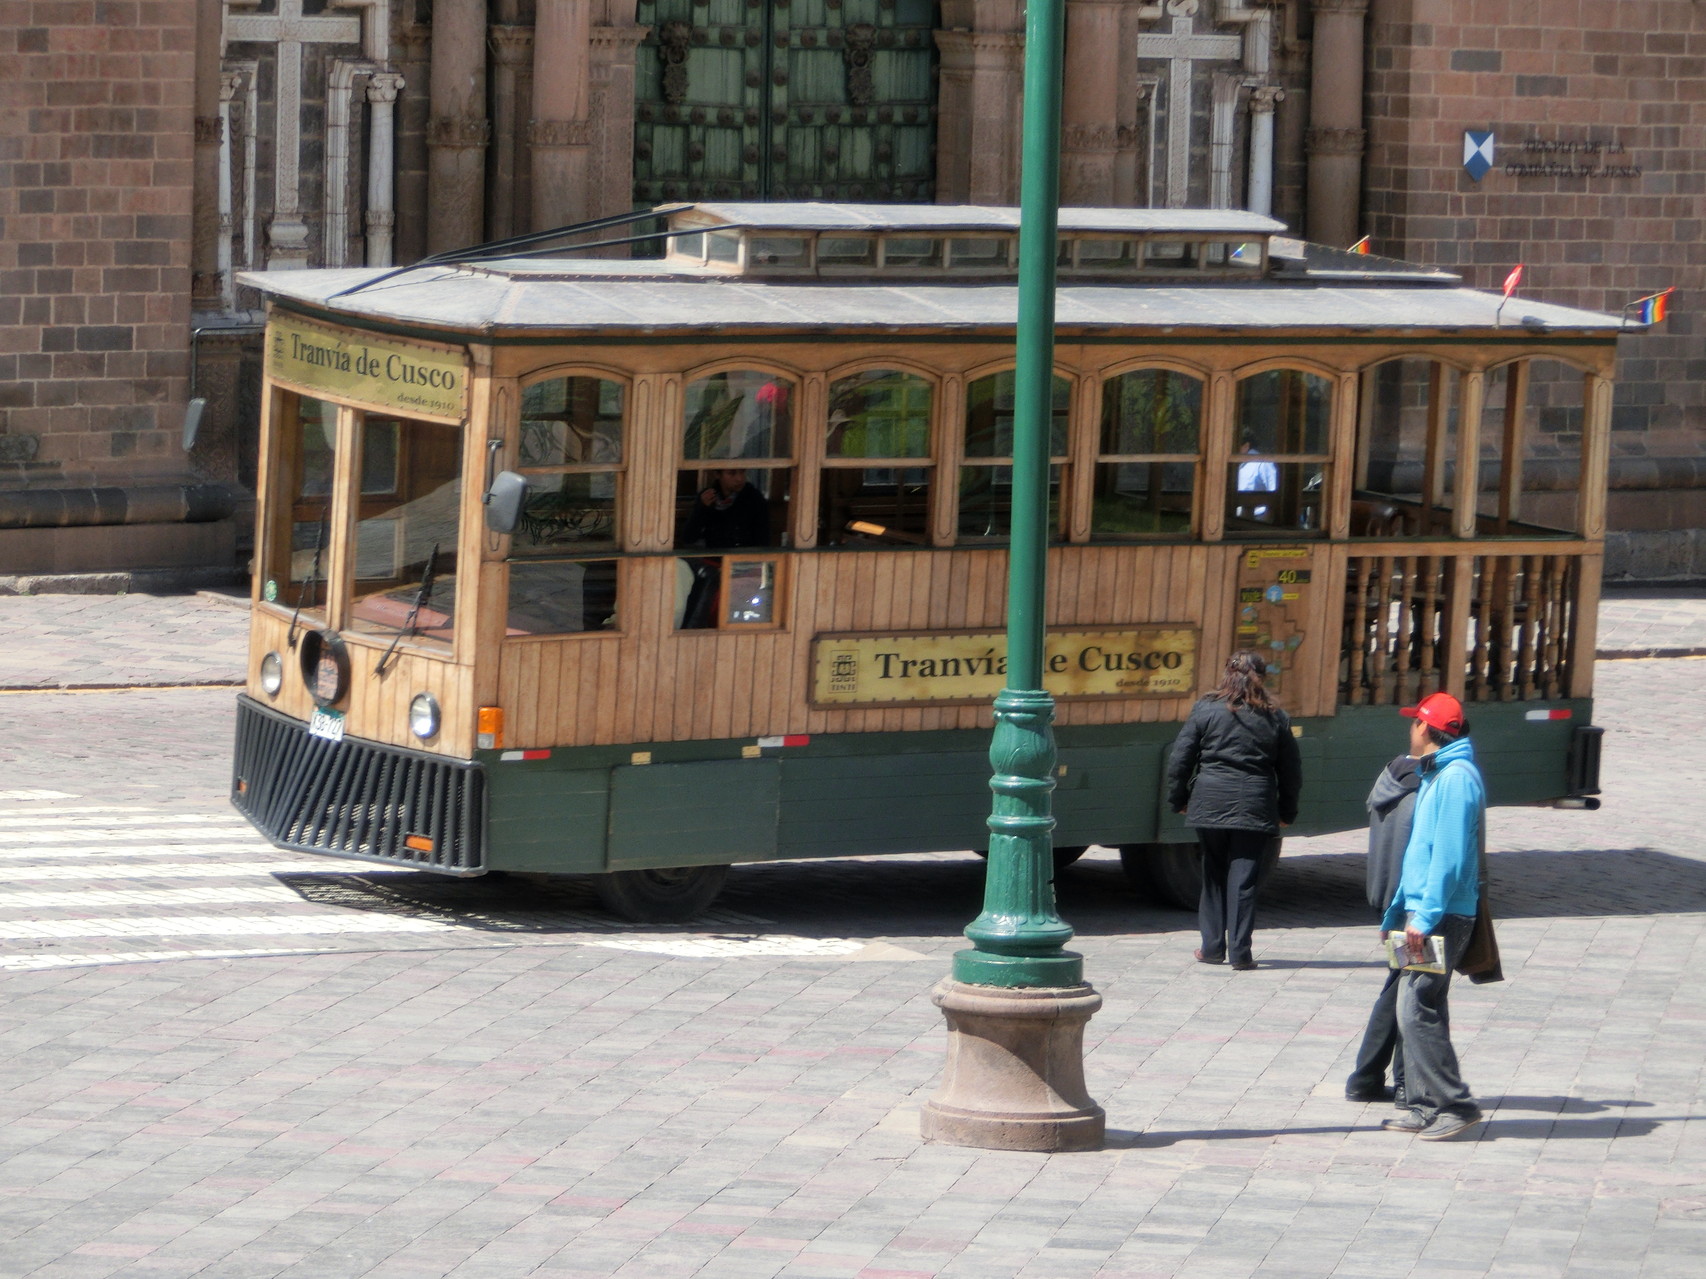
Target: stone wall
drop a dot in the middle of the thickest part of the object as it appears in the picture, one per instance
(96, 135)
(1598, 187)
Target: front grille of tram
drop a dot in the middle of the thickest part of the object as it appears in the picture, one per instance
(355, 798)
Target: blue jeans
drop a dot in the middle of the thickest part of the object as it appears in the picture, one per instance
(1433, 1081)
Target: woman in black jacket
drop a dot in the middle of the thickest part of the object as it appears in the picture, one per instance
(1235, 774)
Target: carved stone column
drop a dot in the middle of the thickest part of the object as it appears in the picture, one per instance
(1090, 107)
(561, 132)
(982, 47)
(207, 284)
(458, 131)
(1336, 138)
(1260, 192)
(512, 49)
(381, 220)
(413, 114)
(613, 53)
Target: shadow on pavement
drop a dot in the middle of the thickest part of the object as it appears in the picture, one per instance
(1496, 1128)
(938, 896)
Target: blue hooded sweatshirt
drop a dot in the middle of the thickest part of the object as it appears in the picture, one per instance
(1441, 873)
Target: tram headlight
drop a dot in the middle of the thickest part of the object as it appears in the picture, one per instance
(423, 716)
(272, 674)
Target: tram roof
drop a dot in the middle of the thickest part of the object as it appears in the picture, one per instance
(579, 296)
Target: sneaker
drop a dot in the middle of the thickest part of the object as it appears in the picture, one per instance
(1370, 1092)
(1245, 966)
(1447, 1125)
(1409, 1122)
(1208, 959)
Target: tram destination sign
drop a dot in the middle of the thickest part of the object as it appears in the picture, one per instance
(900, 670)
(409, 378)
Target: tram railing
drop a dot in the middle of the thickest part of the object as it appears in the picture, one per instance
(1507, 622)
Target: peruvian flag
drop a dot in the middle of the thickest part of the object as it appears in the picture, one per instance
(1513, 279)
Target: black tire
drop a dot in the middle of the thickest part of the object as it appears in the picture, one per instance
(669, 896)
(1172, 873)
(1064, 854)
(1168, 873)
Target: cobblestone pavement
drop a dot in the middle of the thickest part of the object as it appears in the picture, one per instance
(221, 1060)
(120, 641)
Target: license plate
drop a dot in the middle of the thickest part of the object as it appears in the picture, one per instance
(327, 724)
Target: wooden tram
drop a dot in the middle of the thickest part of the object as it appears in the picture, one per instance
(642, 568)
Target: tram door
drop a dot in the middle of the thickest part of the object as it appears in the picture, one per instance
(785, 100)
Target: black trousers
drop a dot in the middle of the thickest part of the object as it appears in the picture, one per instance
(1226, 912)
(1380, 1046)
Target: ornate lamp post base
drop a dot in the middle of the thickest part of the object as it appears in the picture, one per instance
(1014, 1078)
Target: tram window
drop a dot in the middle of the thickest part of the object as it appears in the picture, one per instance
(749, 593)
(571, 453)
(1102, 254)
(561, 597)
(1278, 477)
(878, 463)
(406, 547)
(722, 246)
(776, 250)
(737, 443)
(311, 462)
(1146, 462)
(978, 251)
(846, 250)
(1172, 255)
(986, 473)
(911, 251)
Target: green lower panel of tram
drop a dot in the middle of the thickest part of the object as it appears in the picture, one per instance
(707, 803)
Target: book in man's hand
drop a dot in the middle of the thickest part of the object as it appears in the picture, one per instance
(1398, 954)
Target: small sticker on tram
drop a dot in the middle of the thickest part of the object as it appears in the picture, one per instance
(525, 755)
(791, 739)
(1561, 713)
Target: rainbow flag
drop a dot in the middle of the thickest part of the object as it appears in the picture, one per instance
(1361, 246)
(1650, 310)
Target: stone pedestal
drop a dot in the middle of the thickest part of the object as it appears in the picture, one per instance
(1014, 1078)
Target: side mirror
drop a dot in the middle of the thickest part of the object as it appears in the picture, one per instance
(503, 501)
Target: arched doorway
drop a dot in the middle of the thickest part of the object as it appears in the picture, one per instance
(785, 100)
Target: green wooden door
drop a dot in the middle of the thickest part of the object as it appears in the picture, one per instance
(785, 100)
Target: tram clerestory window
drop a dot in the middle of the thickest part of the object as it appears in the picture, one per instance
(878, 461)
(406, 549)
(986, 471)
(1277, 479)
(732, 486)
(1147, 456)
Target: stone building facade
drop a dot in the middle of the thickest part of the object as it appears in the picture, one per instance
(154, 149)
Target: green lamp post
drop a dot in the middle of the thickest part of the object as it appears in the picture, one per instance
(1017, 1002)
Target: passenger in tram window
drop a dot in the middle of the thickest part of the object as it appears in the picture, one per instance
(730, 513)
(1256, 476)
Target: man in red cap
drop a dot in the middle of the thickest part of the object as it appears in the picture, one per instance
(1438, 890)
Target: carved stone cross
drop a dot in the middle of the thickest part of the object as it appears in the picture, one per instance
(289, 29)
(1183, 47)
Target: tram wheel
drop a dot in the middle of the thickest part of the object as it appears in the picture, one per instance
(666, 896)
(1172, 873)
(1064, 854)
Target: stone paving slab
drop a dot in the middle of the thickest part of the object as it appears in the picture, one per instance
(547, 1105)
